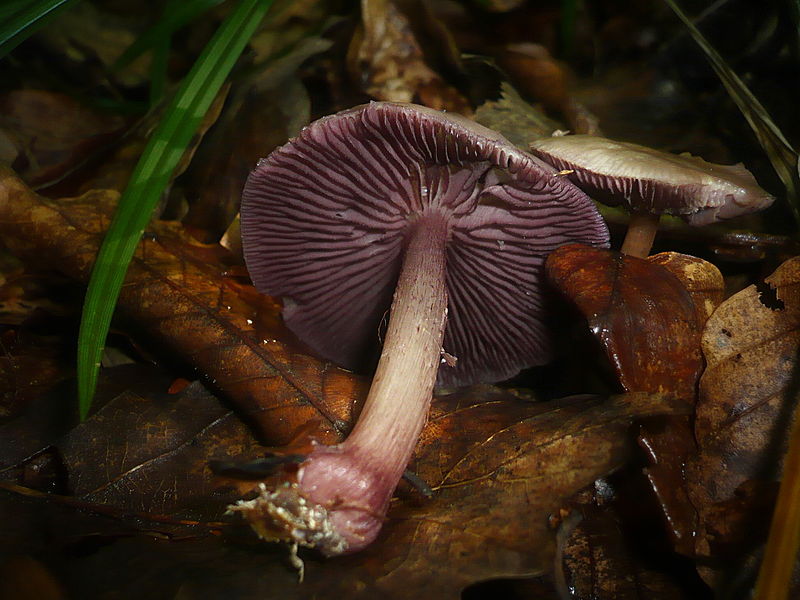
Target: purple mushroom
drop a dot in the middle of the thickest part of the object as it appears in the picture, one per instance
(651, 183)
(454, 222)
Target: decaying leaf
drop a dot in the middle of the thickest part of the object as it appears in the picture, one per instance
(648, 315)
(499, 467)
(599, 562)
(53, 133)
(519, 122)
(188, 304)
(389, 62)
(642, 314)
(748, 395)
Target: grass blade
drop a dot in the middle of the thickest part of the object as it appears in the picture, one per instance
(780, 152)
(19, 20)
(148, 181)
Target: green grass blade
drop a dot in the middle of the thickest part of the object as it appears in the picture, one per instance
(148, 181)
(779, 151)
(19, 20)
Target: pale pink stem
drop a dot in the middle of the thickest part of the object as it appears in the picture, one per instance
(342, 492)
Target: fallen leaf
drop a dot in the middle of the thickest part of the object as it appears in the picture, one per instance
(499, 467)
(389, 61)
(747, 397)
(613, 550)
(648, 315)
(641, 312)
(150, 454)
(519, 122)
(188, 305)
(53, 133)
(669, 441)
(702, 280)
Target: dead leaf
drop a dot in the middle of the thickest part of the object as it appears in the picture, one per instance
(748, 394)
(519, 122)
(189, 306)
(499, 467)
(150, 454)
(388, 62)
(602, 560)
(641, 313)
(648, 315)
(702, 280)
(53, 133)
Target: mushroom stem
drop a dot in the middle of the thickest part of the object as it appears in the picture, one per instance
(397, 405)
(342, 492)
(642, 229)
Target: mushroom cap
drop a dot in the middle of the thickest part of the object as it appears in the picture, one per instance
(325, 217)
(648, 180)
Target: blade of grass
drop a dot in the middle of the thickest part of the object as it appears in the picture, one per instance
(780, 152)
(148, 181)
(20, 20)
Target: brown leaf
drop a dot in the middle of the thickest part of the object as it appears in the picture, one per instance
(519, 122)
(747, 396)
(53, 133)
(387, 58)
(648, 315)
(188, 306)
(614, 551)
(641, 313)
(669, 441)
(150, 454)
(499, 468)
(702, 280)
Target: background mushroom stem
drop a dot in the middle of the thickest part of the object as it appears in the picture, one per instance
(642, 229)
(342, 492)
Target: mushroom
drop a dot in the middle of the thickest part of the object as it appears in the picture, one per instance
(651, 183)
(454, 215)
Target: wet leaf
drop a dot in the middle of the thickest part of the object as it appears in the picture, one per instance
(600, 560)
(150, 454)
(648, 315)
(499, 467)
(641, 313)
(747, 396)
(179, 293)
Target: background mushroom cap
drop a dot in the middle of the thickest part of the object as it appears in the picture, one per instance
(648, 180)
(325, 217)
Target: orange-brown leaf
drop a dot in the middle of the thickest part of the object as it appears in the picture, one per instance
(641, 313)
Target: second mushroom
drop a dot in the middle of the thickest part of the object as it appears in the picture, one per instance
(444, 220)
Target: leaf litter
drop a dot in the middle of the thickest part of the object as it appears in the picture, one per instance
(521, 487)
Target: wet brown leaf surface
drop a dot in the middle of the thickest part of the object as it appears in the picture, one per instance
(499, 468)
(648, 315)
(641, 312)
(747, 398)
(191, 307)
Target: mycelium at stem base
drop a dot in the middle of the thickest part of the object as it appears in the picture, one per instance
(342, 492)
